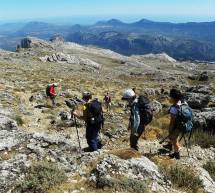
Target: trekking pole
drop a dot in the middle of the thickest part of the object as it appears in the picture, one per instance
(185, 141)
(79, 143)
(164, 139)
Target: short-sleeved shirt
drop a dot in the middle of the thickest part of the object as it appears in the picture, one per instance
(174, 108)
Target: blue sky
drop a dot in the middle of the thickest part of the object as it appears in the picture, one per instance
(128, 10)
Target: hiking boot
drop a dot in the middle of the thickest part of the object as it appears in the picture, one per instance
(168, 146)
(175, 155)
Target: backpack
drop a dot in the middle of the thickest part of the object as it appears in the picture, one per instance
(95, 113)
(185, 118)
(145, 108)
(48, 90)
(107, 99)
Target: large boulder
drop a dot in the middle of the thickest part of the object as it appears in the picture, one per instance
(205, 121)
(204, 76)
(7, 123)
(197, 100)
(26, 43)
(200, 89)
(136, 169)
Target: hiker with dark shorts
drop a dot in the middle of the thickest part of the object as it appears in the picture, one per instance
(92, 114)
(140, 115)
(107, 101)
(51, 93)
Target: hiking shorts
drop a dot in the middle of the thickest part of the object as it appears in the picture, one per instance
(174, 134)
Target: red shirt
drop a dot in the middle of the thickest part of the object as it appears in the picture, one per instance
(52, 90)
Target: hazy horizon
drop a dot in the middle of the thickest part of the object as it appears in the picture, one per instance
(83, 20)
(82, 12)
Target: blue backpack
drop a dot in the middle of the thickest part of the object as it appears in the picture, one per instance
(185, 118)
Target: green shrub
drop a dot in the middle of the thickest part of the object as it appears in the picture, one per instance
(123, 184)
(40, 178)
(210, 167)
(182, 177)
(133, 185)
(19, 120)
(203, 139)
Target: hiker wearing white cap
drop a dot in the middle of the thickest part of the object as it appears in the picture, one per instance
(141, 115)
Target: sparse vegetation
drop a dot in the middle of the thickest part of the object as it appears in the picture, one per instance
(183, 177)
(19, 120)
(40, 178)
(210, 167)
(124, 184)
(203, 139)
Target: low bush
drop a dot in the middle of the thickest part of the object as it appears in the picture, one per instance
(124, 185)
(19, 120)
(40, 178)
(183, 178)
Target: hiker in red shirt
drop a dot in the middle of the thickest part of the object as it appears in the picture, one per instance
(107, 100)
(51, 93)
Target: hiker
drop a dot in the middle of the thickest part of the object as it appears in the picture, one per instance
(180, 121)
(51, 93)
(107, 101)
(92, 114)
(174, 132)
(141, 115)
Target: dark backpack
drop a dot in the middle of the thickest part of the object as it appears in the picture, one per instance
(185, 118)
(48, 90)
(145, 108)
(95, 113)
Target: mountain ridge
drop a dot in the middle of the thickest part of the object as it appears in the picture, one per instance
(191, 40)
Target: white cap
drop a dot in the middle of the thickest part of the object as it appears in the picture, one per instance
(128, 94)
(55, 84)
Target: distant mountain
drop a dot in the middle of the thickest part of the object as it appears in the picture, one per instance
(42, 30)
(194, 41)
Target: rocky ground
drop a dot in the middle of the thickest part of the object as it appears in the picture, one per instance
(31, 131)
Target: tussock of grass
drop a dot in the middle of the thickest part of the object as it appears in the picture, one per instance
(203, 139)
(183, 178)
(40, 178)
(210, 167)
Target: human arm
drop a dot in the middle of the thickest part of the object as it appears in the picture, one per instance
(173, 114)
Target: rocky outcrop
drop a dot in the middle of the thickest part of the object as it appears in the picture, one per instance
(12, 171)
(61, 57)
(204, 76)
(26, 43)
(205, 121)
(208, 182)
(197, 100)
(112, 168)
(32, 42)
(163, 57)
(200, 89)
(57, 39)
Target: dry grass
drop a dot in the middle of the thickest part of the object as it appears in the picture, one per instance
(126, 153)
